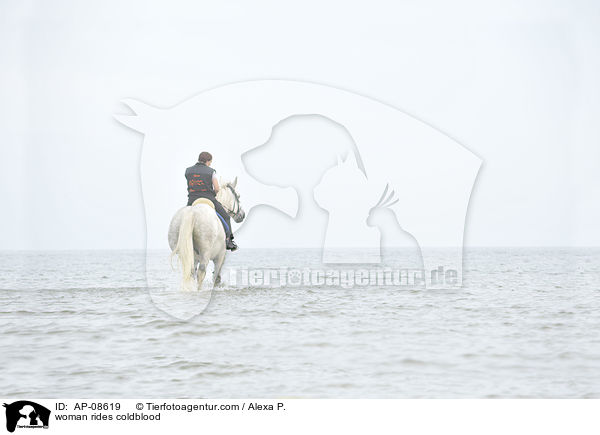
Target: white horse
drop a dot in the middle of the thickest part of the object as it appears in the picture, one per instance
(196, 234)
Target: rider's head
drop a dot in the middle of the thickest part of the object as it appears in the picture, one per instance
(205, 157)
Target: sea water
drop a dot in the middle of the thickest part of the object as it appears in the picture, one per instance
(84, 324)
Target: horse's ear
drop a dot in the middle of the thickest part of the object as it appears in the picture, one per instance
(234, 183)
(144, 115)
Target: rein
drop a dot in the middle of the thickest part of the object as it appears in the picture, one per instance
(235, 211)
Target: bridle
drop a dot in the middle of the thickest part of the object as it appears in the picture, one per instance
(236, 211)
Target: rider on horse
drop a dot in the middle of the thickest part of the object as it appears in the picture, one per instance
(202, 182)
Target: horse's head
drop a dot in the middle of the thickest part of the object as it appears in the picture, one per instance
(230, 199)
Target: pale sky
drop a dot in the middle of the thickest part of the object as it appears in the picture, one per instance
(516, 82)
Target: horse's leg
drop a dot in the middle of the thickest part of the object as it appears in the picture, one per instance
(196, 262)
(201, 273)
(218, 265)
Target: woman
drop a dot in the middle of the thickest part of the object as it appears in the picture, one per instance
(202, 182)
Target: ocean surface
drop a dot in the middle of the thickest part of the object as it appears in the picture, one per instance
(525, 324)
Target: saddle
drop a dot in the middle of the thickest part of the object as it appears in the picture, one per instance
(203, 201)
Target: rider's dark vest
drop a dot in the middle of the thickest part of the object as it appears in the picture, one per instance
(199, 182)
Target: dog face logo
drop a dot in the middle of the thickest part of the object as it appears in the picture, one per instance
(26, 414)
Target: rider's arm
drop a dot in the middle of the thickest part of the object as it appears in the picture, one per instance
(215, 182)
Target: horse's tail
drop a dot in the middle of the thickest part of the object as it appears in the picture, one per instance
(185, 244)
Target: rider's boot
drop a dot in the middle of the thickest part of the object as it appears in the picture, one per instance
(230, 244)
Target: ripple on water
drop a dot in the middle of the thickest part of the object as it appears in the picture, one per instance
(536, 336)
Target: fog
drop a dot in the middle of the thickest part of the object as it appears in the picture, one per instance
(516, 83)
